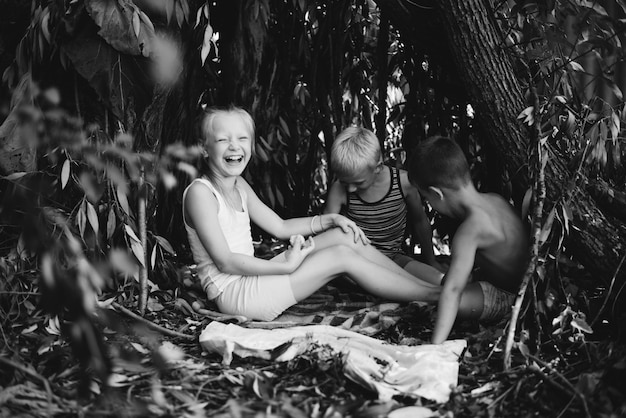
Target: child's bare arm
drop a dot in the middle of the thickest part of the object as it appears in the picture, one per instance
(269, 221)
(463, 249)
(420, 224)
(201, 208)
(336, 198)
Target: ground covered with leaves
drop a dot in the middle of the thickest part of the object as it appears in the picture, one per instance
(158, 368)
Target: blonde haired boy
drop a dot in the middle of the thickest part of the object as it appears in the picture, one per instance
(380, 200)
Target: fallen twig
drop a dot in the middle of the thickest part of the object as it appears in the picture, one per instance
(563, 379)
(31, 373)
(151, 324)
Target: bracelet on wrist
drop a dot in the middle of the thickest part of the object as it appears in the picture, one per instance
(312, 224)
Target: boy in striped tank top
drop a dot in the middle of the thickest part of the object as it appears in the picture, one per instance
(379, 199)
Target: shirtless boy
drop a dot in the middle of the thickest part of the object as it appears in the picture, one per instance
(491, 237)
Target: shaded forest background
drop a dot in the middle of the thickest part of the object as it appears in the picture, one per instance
(98, 140)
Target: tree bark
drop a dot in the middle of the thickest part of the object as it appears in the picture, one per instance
(497, 96)
(612, 202)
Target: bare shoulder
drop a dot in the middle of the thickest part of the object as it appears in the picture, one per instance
(500, 210)
(197, 189)
(499, 221)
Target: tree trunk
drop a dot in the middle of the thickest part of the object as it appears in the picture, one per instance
(497, 95)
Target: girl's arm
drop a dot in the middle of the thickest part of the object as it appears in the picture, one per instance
(270, 222)
(201, 208)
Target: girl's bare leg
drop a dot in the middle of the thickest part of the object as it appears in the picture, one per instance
(325, 264)
(425, 274)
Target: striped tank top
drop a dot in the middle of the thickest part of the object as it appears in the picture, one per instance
(384, 221)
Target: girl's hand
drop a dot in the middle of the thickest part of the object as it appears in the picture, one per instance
(298, 251)
(348, 226)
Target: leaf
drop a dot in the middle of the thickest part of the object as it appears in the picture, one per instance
(154, 305)
(206, 43)
(131, 233)
(54, 327)
(185, 6)
(262, 154)
(140, 348)
(29, 329)
(123, 200)
(115, 20)
(165, 244)
(15, 176)
(283, 125)
(146, 21)
(198, 16)
(135, 245)
(81, 218)
(615, 125)
(528, 115)
(576, 66)
(180, 14)
(111, 223)
(136, 23)
(170, 352)
(45, 21)
(96, 61)
(92, 216)
(547, 226)
(153, 257)
(580, 324)
(169, 9)
(65, 173)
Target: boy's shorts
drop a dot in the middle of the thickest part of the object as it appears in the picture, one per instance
(497, 302)
(261, 298)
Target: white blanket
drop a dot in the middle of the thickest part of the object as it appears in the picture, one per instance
(427, 370)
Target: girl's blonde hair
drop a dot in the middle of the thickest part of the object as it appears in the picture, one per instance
(353, 150)
(209, 115)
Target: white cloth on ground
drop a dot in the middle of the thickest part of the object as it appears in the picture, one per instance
(427, 370)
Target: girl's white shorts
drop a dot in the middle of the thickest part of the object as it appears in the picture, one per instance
(262, 298)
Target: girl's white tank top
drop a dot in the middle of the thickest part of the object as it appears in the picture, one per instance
(236, 228)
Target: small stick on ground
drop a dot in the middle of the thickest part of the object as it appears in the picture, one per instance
(564, 380)
(31, 373)
(151, 324)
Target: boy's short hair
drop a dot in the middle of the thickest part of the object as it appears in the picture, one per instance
(438, 161)
(354, 149)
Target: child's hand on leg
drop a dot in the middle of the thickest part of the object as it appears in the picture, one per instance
(348, 226)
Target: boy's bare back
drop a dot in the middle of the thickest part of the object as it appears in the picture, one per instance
(502, 244)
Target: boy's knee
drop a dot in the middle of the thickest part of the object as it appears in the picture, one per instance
(338, 237)
(342, 251)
